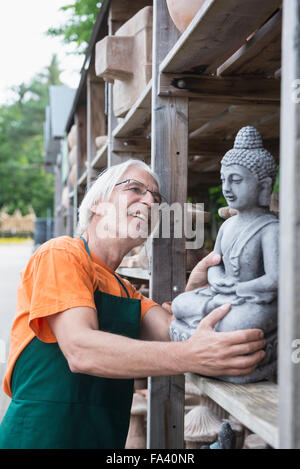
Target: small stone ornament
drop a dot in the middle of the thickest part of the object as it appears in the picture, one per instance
(248, 243)
(226, 438)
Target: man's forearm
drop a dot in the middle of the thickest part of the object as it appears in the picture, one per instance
(113, 356)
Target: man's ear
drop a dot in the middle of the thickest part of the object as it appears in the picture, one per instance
(266, 188)
(95, 208)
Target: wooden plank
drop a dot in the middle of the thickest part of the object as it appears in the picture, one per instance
(120, 10)
(80, 121)
(137, 121)
(206, 163)
(81, 128)
(100, 160)
(112, 158)
(216, 32)
(289, 292)
(202, 179)
(201, 112)
(255, 405)
(83, 179)
(228, 123)
(169, 160)
(132, 145)
(134, 272)
(231, 90)
(96, 119)
(261, 55)
(269, 125)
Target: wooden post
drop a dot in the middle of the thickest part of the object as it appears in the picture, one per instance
(169, 161)
(81, 127)
(289, 294)
(112, 121)
(96, 122)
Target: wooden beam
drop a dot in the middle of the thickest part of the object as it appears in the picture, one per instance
(232, 90)
(96, 119)
(226, 124)
(205, 164)
(215, 33)
(261, 55)
(137, 121)
(112, 122)
(208, 178)
(289, 292)
(169, 161)
(211, 147)
(132, 145)
(81, 156)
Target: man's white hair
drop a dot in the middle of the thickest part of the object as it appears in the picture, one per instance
(102, 189)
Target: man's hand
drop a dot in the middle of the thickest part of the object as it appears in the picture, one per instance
(198, 277)
(224, 353)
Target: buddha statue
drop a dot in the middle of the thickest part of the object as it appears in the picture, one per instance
(248, 243)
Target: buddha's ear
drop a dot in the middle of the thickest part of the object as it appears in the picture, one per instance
(266, 188)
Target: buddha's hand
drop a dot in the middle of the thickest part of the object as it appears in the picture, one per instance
(198, 277)
(224, 285)
(212, 353)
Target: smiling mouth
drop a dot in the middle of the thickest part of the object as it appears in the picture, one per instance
(230, 198)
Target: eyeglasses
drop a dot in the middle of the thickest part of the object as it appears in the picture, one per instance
(140, 189)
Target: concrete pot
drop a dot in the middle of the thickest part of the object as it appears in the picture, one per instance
(182, 13)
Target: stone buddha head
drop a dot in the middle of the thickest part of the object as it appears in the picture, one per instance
(248, 172)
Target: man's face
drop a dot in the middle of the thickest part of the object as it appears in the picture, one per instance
(240, 187)
(128, 211)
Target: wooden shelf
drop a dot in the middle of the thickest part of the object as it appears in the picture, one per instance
(83, 178)
(255, 405)
(100, 160)
(134, 272)
(201, 50)
(138, 118)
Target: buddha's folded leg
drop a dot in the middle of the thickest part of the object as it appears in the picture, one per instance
(249, 316)
(189, 309)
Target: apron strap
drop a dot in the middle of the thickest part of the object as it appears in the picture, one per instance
(86, 247)
(122, 284)
(119, 280)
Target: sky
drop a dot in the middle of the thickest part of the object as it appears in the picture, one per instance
(24, 48)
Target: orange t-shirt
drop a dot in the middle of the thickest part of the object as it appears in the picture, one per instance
(60, 275)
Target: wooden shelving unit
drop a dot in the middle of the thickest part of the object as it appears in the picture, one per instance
(254, 405)
(222, 73)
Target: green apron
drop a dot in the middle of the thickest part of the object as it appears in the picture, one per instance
(53, 408)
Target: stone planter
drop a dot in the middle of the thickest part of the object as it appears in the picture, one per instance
(182, 12)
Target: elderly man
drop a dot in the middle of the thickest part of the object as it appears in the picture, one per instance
(81, 333)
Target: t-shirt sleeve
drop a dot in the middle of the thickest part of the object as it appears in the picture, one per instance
(61, 280)
(146, 303)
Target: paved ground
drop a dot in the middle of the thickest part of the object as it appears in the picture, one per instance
(13, 258)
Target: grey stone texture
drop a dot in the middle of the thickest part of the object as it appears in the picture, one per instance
(248, 243)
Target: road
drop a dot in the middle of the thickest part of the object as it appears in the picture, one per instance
(13, 258)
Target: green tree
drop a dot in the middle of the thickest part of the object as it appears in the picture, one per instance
(24, 182)
(79, 26)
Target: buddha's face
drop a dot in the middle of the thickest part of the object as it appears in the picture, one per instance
(240, 187)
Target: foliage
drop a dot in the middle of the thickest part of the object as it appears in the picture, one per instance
(217, 201)
(24, 182)
(277, 182)
(79, 26)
